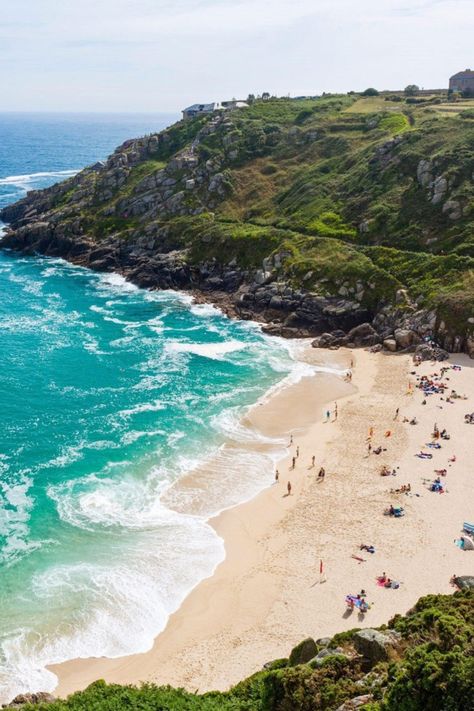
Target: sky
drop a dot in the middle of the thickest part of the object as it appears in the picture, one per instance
(162, 55)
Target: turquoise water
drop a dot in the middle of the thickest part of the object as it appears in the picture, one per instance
(37, 149)
(108, 394)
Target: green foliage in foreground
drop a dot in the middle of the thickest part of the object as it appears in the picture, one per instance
(431, 670)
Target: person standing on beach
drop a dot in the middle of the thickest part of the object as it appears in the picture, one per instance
(396, 413)
(293, 463)
(313, 459)
(297, 451)
(288, 488)
(328, 415)
(335, 410)
(277, 476)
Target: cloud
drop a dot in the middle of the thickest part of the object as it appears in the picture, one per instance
(174, 52)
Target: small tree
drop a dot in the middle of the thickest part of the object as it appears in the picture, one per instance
(411, 90)
(250, 98)
(370, 92)
(265, 96)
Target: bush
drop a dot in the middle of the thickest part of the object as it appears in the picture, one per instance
(370, 92)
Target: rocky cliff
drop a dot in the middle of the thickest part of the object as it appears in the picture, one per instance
(313, 216)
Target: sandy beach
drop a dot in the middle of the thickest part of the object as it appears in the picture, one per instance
(268, 594)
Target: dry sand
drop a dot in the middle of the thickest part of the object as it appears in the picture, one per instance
(267, 594)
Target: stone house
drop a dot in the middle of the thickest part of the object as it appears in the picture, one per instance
(462, 81)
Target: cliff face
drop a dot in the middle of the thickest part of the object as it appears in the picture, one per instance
(312, 215)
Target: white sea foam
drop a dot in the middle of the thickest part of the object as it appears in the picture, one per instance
(28, 181)
(226, 478)
(133, 435)
(15, 508)
(116, 282)
(229, 423)
(215, 351)
(68, 455)
(137, 589)
(153, 406)
(205, 310)
(169, 295)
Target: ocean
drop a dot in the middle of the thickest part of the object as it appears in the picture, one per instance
(108, 395)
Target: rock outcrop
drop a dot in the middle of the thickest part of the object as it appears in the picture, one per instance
(138, 213)
(375, 646)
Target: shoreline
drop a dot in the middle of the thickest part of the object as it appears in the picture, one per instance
(325, 386)
(265, 596)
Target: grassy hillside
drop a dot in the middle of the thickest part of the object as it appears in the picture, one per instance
(342, 189)
(427, 665)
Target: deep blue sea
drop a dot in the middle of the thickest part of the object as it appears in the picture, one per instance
(108, 396)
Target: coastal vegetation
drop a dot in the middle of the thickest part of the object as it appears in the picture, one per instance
(423, 661)
(343, 190)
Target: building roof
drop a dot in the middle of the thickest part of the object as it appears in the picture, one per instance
(202, 107)
(464, 74)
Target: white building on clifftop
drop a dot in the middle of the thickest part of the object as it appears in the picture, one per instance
(202, 109)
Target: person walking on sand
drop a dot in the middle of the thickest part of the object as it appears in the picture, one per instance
(313, 458)
(396, 413)
(328, 415)
(277, 476)
(297, 452)
(335, 410)
(293, 463)
(288, 488)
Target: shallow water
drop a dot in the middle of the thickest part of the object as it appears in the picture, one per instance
(108, 394)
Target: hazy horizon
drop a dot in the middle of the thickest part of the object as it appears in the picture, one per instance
(157, 56)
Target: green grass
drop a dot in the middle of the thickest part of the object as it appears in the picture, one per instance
(394, 123)
(373, 105)
(333, 182)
